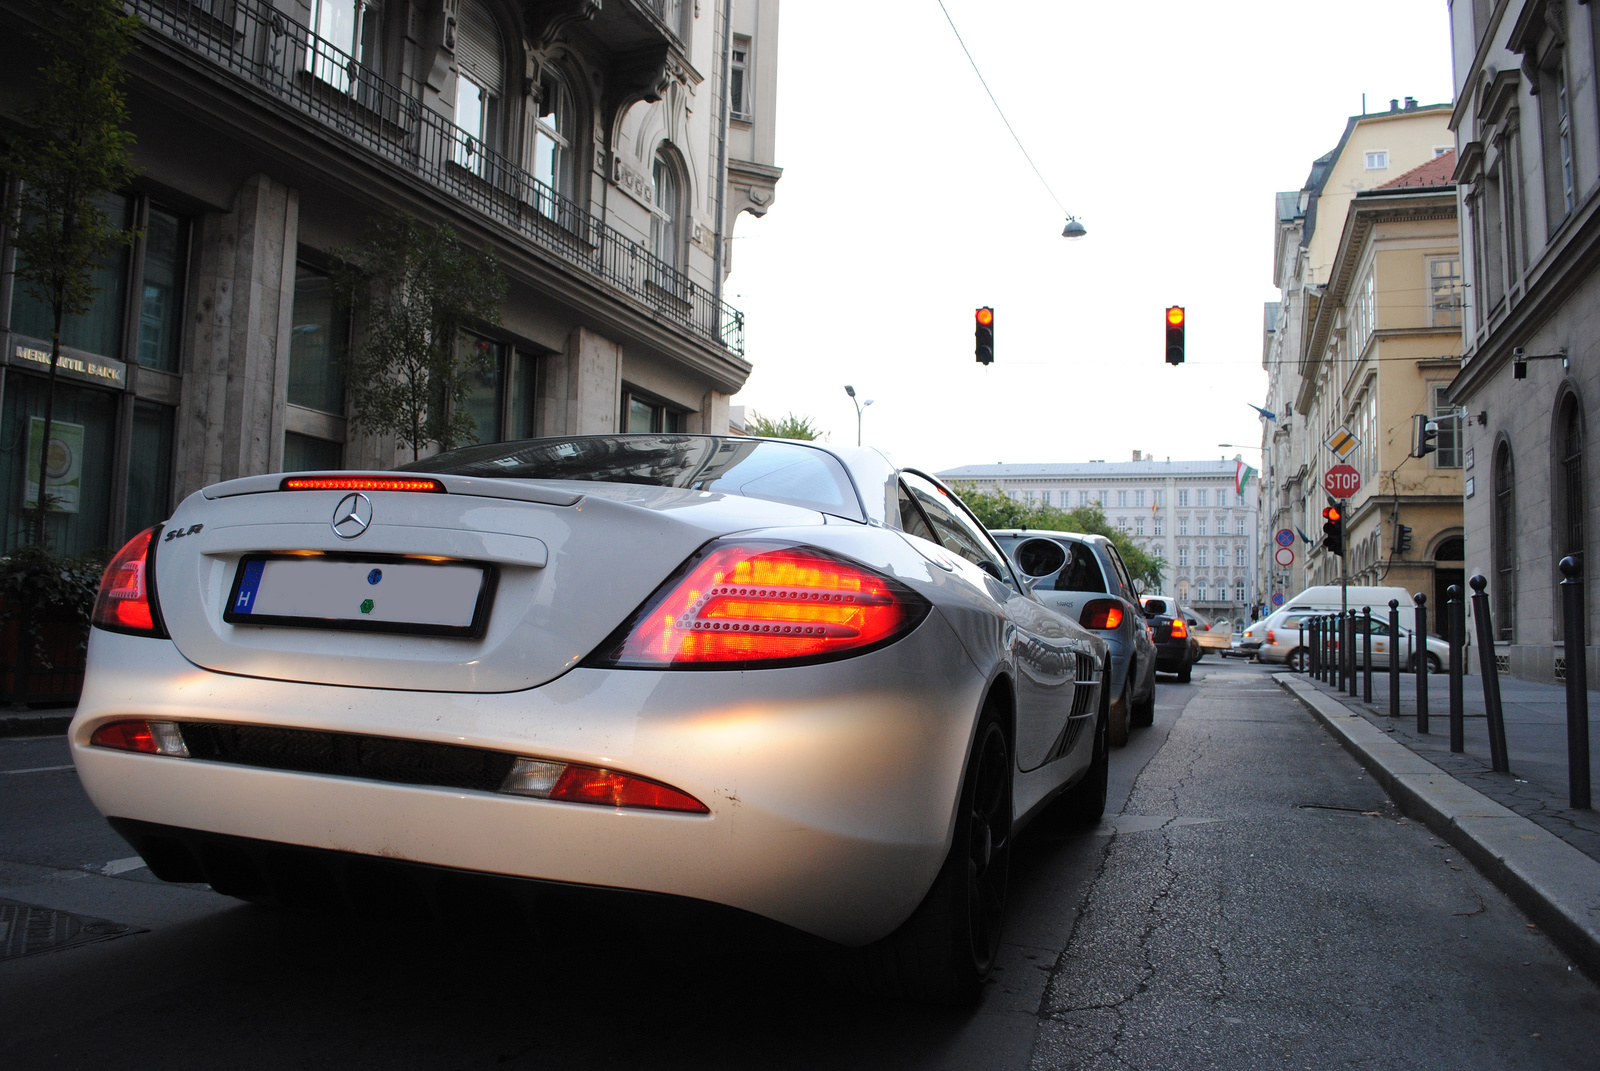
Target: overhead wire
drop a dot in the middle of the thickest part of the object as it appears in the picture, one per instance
(1000, 110)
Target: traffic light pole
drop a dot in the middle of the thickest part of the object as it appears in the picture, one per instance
(1344, 570)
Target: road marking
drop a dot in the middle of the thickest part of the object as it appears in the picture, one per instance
(41, 769)
(121, 866)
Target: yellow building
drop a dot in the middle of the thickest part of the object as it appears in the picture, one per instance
(1382, 346)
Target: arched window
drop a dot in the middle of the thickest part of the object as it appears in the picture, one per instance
(555, 126)
(665, 232)
(480, 60)
(1505, 543)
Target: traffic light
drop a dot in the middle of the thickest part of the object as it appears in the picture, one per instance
(1333, 530)
(1402, 538)
(1175, 320)
(1423, 431)
(984, 334)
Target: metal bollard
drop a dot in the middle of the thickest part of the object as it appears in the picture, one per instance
(1577, 685)
(1313, 651)
(1322, 648)
(1394, 658)
(1349, 631)
(1419, 659)
(1336, 652)
(1366, 654)
(1491, 676)
(1454, 626)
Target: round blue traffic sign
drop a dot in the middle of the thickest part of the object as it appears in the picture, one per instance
(1285, 537)
(1277, 598)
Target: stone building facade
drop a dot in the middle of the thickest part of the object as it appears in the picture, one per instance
(603, 150)
(1527, 127)
(1189, 514)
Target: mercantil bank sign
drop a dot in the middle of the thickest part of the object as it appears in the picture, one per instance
(102, 370)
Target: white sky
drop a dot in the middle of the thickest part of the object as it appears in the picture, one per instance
(1166, 127)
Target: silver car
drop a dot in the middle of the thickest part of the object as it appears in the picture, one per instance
(788, 679)
(1085, 578)
(1286, 638)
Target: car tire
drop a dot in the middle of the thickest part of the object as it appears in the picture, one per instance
(1121, 714)
(1185, 673)
(1434, 665)
(1085, 802)
(945, 951)
(1144, 710)
(1299, 660)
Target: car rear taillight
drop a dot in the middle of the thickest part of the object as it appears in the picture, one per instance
(1179, 629)
(1101, 614)
(1272, 638)
(747, 603)
(127, 598)
(573, 783)
(149, 737)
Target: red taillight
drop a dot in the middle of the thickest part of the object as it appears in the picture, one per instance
(126, 602)
(149, 737)
(1179, 629)
(1272, 639)
(1101, 614)
(569, 783)
(361, 483)
(736, 604)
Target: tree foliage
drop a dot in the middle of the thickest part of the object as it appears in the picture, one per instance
(997, 510)
(72, 151)
(415, 287)
(788, 426)
(36, 583)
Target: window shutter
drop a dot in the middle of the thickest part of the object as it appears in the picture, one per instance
(478, 51)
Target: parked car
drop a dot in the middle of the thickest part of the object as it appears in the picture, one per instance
(1288, 636)
(1176, 648)
(1210, 635)
(1085, 578)
(793, 680)
(1246, 642)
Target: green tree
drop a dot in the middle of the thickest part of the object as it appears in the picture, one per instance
(73, 150)
(415, 287)
(997, 510)
(788, 426)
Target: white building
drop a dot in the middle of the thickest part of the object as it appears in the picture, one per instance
(1189, 514)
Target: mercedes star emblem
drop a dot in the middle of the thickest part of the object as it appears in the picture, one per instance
(352, 515)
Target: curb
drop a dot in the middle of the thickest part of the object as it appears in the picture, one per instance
(36, 723)
(1554, 883)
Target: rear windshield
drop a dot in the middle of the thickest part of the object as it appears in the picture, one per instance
(1156, 607)
(753, 468)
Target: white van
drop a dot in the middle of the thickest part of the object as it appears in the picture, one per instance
(1283, 639)
(1329, 597)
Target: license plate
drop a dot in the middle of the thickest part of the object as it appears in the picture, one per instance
(367, 594)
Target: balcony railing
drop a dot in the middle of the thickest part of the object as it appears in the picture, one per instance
(285, 59)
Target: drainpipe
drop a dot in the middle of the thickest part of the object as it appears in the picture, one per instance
(722, 167)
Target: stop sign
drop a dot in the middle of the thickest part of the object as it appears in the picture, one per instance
(1342, 481)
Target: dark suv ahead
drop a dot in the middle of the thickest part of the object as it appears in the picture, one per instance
(1176, 648)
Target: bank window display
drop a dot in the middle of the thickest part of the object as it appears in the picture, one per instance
(318, 343)
(79, 476)
(501, 401)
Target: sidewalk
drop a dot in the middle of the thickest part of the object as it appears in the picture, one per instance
(1516, 827)
(35, 722)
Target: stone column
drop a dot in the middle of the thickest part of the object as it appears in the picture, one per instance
(231, 413)
(581, 387)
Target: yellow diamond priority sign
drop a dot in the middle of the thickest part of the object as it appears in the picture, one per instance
(1342, 442)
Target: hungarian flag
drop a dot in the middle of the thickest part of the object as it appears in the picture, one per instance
(1241, 476)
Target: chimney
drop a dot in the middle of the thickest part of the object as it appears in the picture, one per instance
(1411, 104)
(1138, 456)
(1394, 105)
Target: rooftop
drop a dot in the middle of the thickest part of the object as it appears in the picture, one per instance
(1436, 172)
(1057, 470)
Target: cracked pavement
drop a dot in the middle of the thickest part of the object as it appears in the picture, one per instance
(1305, 923)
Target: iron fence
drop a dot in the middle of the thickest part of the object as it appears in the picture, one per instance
(288, 61)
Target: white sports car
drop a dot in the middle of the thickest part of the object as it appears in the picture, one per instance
(781, 677)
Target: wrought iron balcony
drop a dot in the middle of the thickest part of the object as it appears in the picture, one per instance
(274, 54)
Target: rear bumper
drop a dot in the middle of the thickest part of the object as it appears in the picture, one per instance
(831, 788)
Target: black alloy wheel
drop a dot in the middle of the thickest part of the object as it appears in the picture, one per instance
(1085, 802)
(989, 848)
(1143, 712)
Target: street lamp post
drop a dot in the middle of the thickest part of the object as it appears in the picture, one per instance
(860, 405)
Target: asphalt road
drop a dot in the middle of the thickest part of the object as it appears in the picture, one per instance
(1252, 901)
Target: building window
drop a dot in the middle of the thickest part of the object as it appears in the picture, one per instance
(1238, 557)
(501, 399)
(1200, 498)
(1122, 524)
(1200, 557)
(1378, 161)
(1200, 526)
(1122, 499)
(302, 453)
(317, 344)
(481, 65)
(1444, 287)
(554, 127)
(1158, 551)
(98, 331)
(1138, 526)
(1083, 498)
(1183, 526)
(1105, 499)
(664, 230)
(1238, 592)
(345, 30)
(1200, 592)
(1157, 527)
(1183, 591)
(1183, 557)
(1505, 543)
(641, 414)
(1238, 527)
(1555, 127)
(1448, 417)
(83, 433)
(1138, 498)
(1183, 499)
(739, 79)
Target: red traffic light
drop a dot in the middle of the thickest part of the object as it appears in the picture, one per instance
(1175, 316)
(1331, 514)
(985, 316)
